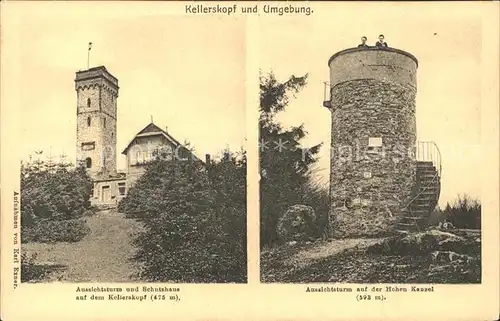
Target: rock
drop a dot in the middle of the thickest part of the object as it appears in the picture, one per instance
(421, 243)
(450, 256)
(292, 243)
(298, 223)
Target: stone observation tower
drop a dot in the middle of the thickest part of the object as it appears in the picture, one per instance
(379, 184)
(97, 92)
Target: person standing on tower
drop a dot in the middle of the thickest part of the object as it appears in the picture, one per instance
(381, 43)
(363, 43)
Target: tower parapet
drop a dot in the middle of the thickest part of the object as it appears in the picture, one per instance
(388, 65)
(96, 75)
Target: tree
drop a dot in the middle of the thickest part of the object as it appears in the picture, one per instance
(194, 217)
(53, 191)
(55, 196)
(228, 178)
(285, 166)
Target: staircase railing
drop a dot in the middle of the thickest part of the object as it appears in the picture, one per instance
(428, 151)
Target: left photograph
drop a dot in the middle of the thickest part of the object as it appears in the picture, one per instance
(132, 145)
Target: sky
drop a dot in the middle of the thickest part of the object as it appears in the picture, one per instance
(448, 104)
(184, 72)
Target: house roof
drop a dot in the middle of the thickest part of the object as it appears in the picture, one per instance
(152, 130)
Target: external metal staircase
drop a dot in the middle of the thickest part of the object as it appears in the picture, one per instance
(425, 196)
(417, 211)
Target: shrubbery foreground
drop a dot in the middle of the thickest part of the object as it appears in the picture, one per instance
(195, 220)
(54, 199)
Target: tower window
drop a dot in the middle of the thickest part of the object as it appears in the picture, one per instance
(104, 122)
(88, 121)
(88, 162)
(88, 102)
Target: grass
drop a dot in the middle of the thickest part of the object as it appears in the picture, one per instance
(104, 255)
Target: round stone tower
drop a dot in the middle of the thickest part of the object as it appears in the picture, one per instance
(372, 100)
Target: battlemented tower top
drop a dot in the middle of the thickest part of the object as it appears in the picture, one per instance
(95, 74)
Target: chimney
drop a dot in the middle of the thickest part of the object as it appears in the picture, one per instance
(207, 159)
(166, 129)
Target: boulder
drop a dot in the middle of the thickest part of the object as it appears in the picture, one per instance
(298, 223)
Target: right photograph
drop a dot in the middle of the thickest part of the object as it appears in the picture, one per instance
(370, 151)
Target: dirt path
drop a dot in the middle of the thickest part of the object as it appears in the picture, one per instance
(282, 263)
(102, 256)
(311, 255)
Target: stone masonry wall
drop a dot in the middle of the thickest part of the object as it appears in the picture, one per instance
(102, 129)
(108, 128)
(368, 186)
(86, 133)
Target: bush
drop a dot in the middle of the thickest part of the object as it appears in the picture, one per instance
(29, 268)
(53, 191)
(55, 231)
(317, 196)
(194, 219)
(464, 212)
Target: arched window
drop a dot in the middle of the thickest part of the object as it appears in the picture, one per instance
(88, 121)
(88, 102)
(88, 162)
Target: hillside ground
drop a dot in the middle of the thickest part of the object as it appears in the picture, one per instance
(426, 257)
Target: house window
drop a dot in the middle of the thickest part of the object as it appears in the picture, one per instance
(121, 188)
(88, 146)
(88, 162)
(88, 121)
(150, 155)
(88, 102)
(145, 156)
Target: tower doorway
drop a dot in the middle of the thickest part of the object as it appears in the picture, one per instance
(106, 194)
